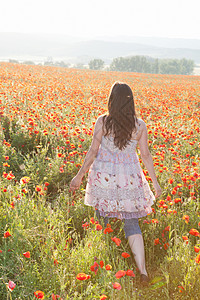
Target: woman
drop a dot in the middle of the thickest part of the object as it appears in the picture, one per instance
(116, 185)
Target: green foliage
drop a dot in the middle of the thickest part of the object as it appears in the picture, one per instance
(131, 64)
(61, 247)
(13, 61)
(96, 64)
(142, 64)
(28, 62)
(50, 222)
(175, 66)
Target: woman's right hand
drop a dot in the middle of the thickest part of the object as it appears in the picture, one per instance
(157, 189)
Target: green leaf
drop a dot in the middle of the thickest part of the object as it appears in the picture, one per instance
(157, 285)
(156, 279)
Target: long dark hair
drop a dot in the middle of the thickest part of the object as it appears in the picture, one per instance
(121, 118)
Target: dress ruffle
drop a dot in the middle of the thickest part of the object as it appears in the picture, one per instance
(116, 184)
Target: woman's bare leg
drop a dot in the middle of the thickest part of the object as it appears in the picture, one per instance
(137, 247)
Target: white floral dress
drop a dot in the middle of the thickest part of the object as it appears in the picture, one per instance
(116, 184)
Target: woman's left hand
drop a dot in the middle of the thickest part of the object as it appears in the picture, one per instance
(75, 183)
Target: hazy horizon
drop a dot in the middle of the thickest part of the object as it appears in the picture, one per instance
(62, 29)
(88, 19)
(41, 47)
(99, 37)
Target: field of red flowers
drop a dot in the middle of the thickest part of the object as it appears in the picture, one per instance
(51, 245)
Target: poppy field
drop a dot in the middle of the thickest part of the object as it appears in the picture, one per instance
(52, 246)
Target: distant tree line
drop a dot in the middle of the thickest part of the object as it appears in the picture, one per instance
(138, 64)
(144, 64)
(96, 64)
(48, 62)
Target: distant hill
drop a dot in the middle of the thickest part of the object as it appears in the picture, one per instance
(40, 46)
(156, 41)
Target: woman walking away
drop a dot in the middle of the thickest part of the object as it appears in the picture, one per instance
(116, 185)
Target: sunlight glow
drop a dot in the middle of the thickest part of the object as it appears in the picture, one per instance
(90, 18)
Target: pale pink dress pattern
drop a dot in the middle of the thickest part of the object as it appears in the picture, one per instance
(116, 184)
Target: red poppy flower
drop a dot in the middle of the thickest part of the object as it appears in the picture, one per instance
(5, 175)
(54, 297)
(181, 288)
(120, 274)
(156, 241)
(39, 294)
(83, 276)
(92, 220)
(86, 225)
(61, 170)
(38, 188)
(11, 285)
(166, 245)
(116, 240)
(167, 228)
(101, 263)
(24, 180)
(27, 254)
(7, 234)
(10, 176)
(185, 238)
(108, 267)
(196, 249)
(197, 259)
(177, 200)
(95, 267)
(108, 230)
(103, 297)
(116, 286)
(186, 218)
(194, 232)
(130, 273)
(154, 221)
(98, 227)
(125, 255)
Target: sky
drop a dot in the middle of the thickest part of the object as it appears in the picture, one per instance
(92, 18)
